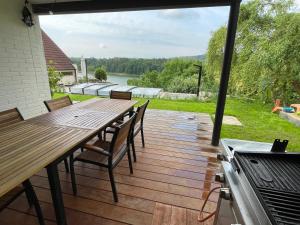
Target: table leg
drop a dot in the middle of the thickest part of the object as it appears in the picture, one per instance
(56, 194)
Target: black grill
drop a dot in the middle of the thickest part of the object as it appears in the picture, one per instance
(275, 177)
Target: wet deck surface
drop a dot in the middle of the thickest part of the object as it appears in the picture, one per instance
(172, 176)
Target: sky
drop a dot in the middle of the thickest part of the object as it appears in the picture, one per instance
(138, 34)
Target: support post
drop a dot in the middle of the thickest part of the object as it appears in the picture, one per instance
(199, 78)
(229, 46)
(86, 71)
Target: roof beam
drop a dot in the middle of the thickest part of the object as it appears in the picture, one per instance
(121, 5)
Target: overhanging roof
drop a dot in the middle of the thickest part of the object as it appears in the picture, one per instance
(42, 7)
(55, 56)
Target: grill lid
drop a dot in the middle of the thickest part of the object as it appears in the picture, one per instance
(275, 178)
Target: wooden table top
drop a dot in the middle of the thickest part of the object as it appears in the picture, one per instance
(29, 146)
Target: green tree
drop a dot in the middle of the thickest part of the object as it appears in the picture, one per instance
(214, 56)
(266, 55)
(179, 75)
(100, 74)
(54, 79)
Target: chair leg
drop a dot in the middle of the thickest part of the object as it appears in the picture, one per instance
(66, 165)
(129, 160)
(104, 134)
(73, 178)
(100, 135)
(35, 201)
(142, 134)
(113, 185)
(133, 150)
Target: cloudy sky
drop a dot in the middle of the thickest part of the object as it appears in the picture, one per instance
(145, 34)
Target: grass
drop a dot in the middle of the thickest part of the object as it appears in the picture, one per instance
(259, 124)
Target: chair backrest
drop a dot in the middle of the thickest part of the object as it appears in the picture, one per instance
(58, 103)
(9, 117)
(140, 112)
(122, 134)
(125, 95)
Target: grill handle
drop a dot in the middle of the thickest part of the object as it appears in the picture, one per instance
(235, 165)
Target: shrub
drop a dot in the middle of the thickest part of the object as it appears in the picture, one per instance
(100, 74)
(183, 85)
(54, 79)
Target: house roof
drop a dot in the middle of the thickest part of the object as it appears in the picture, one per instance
(54, 55)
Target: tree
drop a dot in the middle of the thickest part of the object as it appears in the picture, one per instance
(178, 75)
(54, 78)
(266, 55)
(134, 66)
(100, 74)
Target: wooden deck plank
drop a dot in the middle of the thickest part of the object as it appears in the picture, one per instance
(98, 193)
(192, 218)
(145, 193)
(172, 177)
(162, 214)
(179, 155)
(13, 217)
(101, 209)
(178, 216)
(74, 217)
(146, 178)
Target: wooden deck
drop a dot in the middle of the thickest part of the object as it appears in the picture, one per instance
(171, 179)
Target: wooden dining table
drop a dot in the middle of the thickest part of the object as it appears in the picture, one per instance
(44, 141)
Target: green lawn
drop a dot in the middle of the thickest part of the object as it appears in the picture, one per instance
(259, 124)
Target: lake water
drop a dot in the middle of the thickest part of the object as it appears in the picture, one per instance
(119, 79)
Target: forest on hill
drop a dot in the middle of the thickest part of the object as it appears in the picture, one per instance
(134, 66)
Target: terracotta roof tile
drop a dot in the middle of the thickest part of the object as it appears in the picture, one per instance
(55, 55)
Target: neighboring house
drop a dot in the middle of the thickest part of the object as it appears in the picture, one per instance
(57, 58)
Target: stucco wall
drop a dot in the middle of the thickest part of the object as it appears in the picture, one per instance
(69, 78)
(23, 73)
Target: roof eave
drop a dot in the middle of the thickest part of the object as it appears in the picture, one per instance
(121, 5)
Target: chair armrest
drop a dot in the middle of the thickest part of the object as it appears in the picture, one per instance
(97, 149)
(114, 125)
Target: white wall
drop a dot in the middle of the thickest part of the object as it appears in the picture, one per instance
(23, 72)
(68, 79)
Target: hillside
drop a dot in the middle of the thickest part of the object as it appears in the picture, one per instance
(136, 66)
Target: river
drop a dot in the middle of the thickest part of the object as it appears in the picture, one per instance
(119, 78)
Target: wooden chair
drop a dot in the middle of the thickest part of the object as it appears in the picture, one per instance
(137, 127)
(58, 103)
(55, 104)
(107, 154)
(7, 118)
(125, 95)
